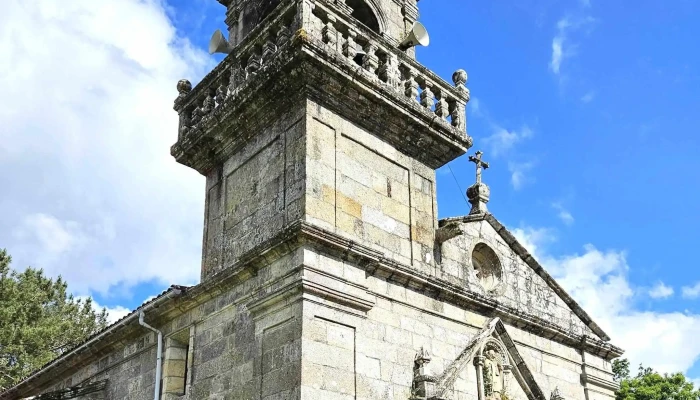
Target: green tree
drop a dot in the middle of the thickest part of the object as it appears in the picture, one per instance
(39, 321)
(650, 385)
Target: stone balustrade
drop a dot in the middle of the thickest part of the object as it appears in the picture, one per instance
(330, 30)
(232, 73)
(388, 64)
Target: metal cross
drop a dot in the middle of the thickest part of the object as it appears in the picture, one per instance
(479, 164)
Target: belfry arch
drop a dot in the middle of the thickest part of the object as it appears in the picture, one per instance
(368, 13)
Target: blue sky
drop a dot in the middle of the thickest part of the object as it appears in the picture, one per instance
(609, 135)
(587, 111)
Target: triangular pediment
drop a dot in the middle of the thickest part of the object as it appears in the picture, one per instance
(524, 284)
(520, 383)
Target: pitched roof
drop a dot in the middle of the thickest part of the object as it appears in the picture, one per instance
(172, 291)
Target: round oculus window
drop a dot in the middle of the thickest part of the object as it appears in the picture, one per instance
(487, 267)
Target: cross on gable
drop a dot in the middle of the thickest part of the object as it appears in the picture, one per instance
(476, 159)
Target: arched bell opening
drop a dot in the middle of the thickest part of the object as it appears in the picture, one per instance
(265, 7)
(362, 12)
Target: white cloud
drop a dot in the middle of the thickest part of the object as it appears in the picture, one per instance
(588, 97)
(562, 45)
(519, 174)
(56, 237)
(533, 239)
(563, 214)
(503, 140)
(661, 291)
(691, 292)
(113, 313)
(557, 53)
(87, 126)
(597, 280)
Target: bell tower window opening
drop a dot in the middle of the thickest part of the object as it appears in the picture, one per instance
(266, 7)
(363, 13)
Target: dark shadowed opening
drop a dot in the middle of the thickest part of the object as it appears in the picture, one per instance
(265, 7)
(363, 13)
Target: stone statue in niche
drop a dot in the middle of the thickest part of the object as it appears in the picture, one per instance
(493, 376)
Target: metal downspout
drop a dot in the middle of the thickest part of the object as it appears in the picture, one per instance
(159, 356)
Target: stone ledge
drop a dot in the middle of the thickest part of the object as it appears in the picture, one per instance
(599, 382)
(377, 264)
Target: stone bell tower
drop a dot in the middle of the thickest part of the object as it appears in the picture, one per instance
(319, 138)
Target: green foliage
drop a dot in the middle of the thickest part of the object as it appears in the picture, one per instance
(650, 385)
(39, 321)
(621, 369)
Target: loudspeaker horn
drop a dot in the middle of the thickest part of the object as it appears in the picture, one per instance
(219, 44)
(417, 36)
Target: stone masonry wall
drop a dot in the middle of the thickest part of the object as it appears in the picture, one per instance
(234, 353)
(371, 356)
(254, 193)
(361, 187)
(260, 340)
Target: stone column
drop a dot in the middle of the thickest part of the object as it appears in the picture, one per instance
(479, 364)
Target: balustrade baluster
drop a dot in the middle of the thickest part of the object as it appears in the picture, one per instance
(389, 71)
(269, 49)
(459, 109)
(411, 85)
(254, 64)
(236, 77)
(427, 98)
(371, 61)
(222, 91)
(442, 108)
(209, 103)
(196, 115)
(185, 122)
(283, 35)
(329, 33)
(458, 113)
(350, 45)
(184, 87)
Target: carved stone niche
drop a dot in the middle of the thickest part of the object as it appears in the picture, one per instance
(488, 269)
(493, 371)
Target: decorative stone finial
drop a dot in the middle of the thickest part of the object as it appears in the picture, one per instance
(556, 395)
(459, 77)
(478, 193)
(183, 87)
(422, 357)
(423, 382)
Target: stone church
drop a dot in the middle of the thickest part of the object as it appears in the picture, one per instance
(326, 273)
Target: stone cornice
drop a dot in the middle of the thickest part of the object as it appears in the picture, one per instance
(587, 379)
(300, 233)
(299, 289)
(375, 263)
